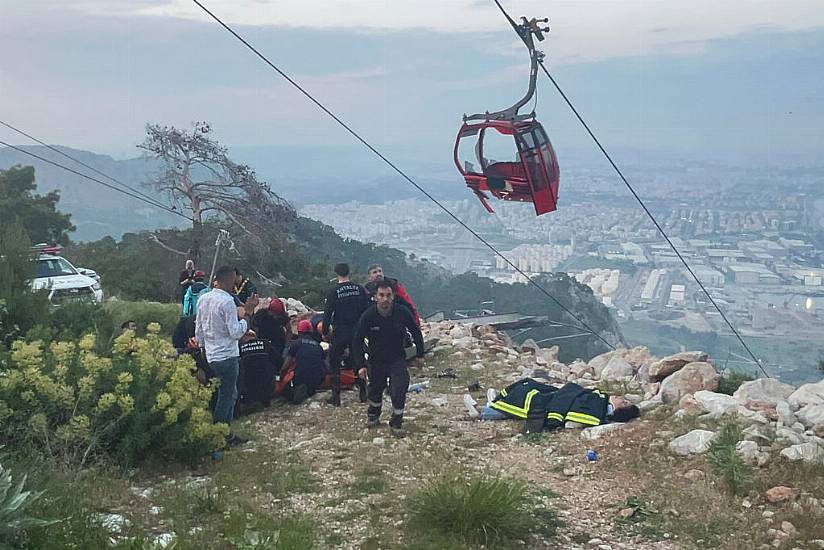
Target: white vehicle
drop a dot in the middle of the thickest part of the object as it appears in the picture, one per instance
(64, 281)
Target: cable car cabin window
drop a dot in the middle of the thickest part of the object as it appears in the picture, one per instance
(467, 151)
(501, 159)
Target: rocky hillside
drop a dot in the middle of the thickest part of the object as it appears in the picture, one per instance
(699, 469)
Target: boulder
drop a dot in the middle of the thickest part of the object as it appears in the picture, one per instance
(648, 405)
(616, 369)
(687, 405)
(464, 342)
(811, 453)
(668, 365)
(759, 434)
(689, 379)
(717, 404)
(785, 414)
(750, 452)
(530, 346)
(807, 394)
(811, 415)
(781, 493)
(460, 331)
(762, 394)
(694, 442)
(579, 368)
(643, 374)
(596, 432)
(598, 362)
(637, 356)
(550, 355)
(789, 436)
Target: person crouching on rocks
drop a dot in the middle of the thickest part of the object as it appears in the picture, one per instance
(310, 369)
(546, 407)
(385, 324)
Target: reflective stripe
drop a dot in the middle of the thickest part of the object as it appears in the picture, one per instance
(398, 412)
(583, 418)
(503, 392)
(376, 404)
(555, 416)
(597, 392)
(520, 412)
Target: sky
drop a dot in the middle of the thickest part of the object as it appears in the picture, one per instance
(736, 80)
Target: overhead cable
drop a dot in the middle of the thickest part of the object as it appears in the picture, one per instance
(644, 207)
(400, 172)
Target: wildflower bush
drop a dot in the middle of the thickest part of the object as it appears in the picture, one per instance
(68, 402)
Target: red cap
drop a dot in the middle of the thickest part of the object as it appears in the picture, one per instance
(199, 274)
(305, 326)
(276, 307)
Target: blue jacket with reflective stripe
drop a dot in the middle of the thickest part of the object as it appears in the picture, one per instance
(529, 399)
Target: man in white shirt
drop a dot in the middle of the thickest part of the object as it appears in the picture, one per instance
(219, 326)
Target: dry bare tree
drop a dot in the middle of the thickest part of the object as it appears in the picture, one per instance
(200, 178)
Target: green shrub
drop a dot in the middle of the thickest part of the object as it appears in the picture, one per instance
(14, 504)
(488, 510)
(726, 462)
(730, 381)
(69, 403)
(20, 307)
(143, 313)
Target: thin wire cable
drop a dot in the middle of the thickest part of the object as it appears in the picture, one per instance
(103, 183)
(654, 221)
(81, 163)
(640, 201)
(366, 144)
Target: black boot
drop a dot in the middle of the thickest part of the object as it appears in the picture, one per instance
(361, 384)
(396, 425)
(334, 400)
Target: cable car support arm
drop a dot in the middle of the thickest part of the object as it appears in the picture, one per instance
(527, 30)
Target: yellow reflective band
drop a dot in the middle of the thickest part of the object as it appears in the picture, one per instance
(597, 392)
(512, 409)
(555, 416)
(503, 392)
(583, 418)
(507, 408)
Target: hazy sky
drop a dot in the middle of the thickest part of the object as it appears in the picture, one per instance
(721, 78)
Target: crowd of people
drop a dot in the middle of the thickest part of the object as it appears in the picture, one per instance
(366, 338)
(257, 350)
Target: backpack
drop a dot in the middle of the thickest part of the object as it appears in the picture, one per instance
(190, 302)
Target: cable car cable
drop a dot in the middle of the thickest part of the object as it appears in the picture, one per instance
(81, 163)
(643, 205)
(380, 155)
(654, 221)
(103, 183)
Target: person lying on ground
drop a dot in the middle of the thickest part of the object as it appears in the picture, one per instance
(546, 407)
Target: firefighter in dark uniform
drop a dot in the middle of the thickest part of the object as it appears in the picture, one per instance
(385, 325)
(344, 306)
(546, 407)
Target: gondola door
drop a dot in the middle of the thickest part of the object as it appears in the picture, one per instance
(538, 158)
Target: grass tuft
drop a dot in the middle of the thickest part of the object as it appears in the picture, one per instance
(484, 509)
(726, 462)
(731, 380)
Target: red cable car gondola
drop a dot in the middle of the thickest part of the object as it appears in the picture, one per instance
(533, 174)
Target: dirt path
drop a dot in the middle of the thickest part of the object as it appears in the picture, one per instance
(365, 475)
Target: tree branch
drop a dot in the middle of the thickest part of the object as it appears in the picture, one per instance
(167, 247)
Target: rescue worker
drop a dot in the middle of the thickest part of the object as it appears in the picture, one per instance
(309, 372)
(385, 324)
(244, 288)
(375, 274)
(546, 407)
(345, 304)
(258, 363)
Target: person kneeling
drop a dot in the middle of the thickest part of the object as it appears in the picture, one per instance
(546, 407)
(309, 371)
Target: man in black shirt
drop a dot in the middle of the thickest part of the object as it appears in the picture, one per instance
(385, 325)
(244, 288)
(344, 306)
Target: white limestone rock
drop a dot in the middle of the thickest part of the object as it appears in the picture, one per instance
(694, 442)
